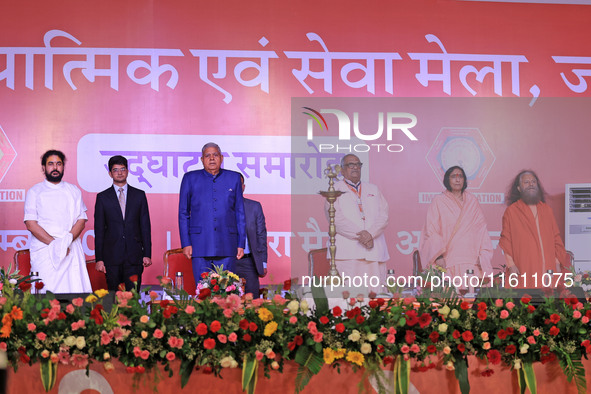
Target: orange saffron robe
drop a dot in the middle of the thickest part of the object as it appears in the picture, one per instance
(520, 240)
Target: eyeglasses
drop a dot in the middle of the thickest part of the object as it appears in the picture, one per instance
(118, 170)
(353, 165)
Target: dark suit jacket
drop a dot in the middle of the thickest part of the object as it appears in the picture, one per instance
(116, 240)
(256, 232)
(211, 213)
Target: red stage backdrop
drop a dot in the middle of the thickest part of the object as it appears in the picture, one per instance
(155, 81)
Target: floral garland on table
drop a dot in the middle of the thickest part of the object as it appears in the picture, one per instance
(241, 332)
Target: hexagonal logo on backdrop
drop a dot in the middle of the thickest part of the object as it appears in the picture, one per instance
(7, 154)
(465, 147)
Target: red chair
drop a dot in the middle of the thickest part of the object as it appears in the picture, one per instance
(175, 261)
(318, 262)
(22, 262)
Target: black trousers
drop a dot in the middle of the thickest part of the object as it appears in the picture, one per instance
(117, 274)
(246, 268)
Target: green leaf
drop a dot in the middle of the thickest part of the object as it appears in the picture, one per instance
(521, 380)
(309, 359)
(530, 377)
(401, 375)
(310, 364)
(461, 371)
(249, 374)
(320, 300)
(573, 369)
(185, 371)
(48, 374)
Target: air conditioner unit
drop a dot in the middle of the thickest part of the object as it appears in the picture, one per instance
(577, 227)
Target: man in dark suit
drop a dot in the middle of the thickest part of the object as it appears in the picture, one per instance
(211, 214)
(254, 263)
(122, 233)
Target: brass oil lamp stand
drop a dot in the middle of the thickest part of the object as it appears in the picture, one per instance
(331, 196)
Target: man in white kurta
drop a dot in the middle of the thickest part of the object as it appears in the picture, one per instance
(55, 214)
(360, 219)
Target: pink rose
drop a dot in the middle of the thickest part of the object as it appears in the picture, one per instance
(293, 320)
(498, 303)
(318, 337)
(414, 348)
(383, 330)
(484, 336)
(486, 345)
(522, 329)
(31, 326)
(137, 351)
(577, 314)
(189, 309)
(259, 356)
(158, 333)
(536, 332)
(3, 346)
(510, 305)
(405, 349)
(232, 337)
(145, 355)
(170, 356)
(41, 336)
(585, 320)
(504, 314)
(70, 309)
(78, 302)
(222, 338)
(390, 338)
(531, 340)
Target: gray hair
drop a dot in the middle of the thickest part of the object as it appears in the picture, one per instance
(344, 157)
(210, 145)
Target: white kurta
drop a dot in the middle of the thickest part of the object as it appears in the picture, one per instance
(56, 208)
(352, 258)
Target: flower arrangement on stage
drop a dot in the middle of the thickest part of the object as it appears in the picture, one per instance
(218, 282)
(231, 331)
(583, 280)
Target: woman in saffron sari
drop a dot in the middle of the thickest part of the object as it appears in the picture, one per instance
(455, 236)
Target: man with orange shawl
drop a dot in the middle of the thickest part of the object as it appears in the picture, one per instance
(530, 237)
(455, 236)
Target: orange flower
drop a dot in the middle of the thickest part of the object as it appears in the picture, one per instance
(16, 312)
(6, 326)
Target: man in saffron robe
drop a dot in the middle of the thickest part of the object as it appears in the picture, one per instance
(530, 237)
(455, 236)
